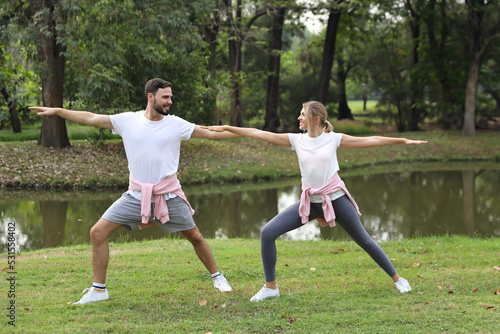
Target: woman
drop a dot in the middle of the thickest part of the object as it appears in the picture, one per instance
(324, 196)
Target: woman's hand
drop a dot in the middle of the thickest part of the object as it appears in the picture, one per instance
(215, 128)
(415, 142)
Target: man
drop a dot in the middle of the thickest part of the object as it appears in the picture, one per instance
(152, 140)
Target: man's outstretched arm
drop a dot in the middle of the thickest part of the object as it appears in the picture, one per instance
(204, 132)
(82, 117)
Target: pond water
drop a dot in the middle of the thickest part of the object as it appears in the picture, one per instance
(394, 206)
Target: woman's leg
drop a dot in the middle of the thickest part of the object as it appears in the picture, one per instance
(347, 218)
(285, 221)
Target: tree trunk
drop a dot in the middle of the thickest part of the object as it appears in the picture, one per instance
(417, 93)
(469, 127)
(14, 116)
(272, 120)
(475, 24)
(344, 110)
(236, 111)
(212, 41)
(328, 55)
(51, 53)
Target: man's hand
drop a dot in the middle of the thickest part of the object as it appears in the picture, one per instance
(81, 117)
(44, 111)
(214, 128)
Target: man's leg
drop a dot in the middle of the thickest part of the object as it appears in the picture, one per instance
(100, 247)
(99, 234)
(205, 255)
(201, 248)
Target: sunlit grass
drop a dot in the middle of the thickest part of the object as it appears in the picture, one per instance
(157, 286)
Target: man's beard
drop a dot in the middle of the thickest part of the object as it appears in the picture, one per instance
(159, 109)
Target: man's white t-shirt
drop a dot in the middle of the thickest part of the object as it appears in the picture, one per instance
(317, 159)
(152, 147)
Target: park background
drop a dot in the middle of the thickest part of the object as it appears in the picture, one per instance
(428, 68)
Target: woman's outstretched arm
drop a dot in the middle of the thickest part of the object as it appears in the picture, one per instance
(372, 141)
(271, 137)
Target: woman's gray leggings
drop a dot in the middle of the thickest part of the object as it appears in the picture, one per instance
(346, 217)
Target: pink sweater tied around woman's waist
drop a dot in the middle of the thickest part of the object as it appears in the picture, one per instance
(335, 184)
(169, 184)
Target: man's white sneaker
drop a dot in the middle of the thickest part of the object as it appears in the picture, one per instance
(264, 293)
(93, 296)
(403, 285)
(220, 282)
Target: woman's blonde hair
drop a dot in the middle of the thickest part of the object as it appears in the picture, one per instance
(313, 109)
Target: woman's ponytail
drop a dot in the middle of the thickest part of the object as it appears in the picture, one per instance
(327, 127)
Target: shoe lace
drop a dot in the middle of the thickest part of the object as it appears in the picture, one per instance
(261, 292)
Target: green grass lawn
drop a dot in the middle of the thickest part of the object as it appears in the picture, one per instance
(161, 287)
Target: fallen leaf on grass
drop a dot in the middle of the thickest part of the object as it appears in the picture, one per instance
(496, 268)
(439, 287)
(202, 302)
(475, 290)
(415, 264)
(490, 307)
(26, 308)
(283, 315)
(420, 292)
(312, 269)
(450, 292)
(496, 292)
(290, 319)
(279, 328)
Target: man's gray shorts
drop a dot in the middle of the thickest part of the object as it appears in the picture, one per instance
(127, 211)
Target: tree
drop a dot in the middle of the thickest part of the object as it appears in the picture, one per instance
(275, 46)
(49, 18)
(343, 68)
(5, 74)
(480, 36)
(417, 92)
(235, 65)
(328, 52)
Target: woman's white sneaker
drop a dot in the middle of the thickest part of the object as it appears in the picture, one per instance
(93, 296)
(403, 285)
(264, 293)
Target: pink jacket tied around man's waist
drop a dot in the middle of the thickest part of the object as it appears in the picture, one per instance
(169, 184)
(335, 184)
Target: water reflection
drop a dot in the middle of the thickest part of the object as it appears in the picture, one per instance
(394, 206)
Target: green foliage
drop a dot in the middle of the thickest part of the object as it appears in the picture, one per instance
(113, 47)
(116, 46)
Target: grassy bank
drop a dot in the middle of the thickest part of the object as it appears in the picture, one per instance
(25, 165)
(159, 287)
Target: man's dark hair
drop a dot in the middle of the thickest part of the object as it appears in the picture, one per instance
(154, 84)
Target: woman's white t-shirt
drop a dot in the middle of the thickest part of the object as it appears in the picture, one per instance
(317, 159)
(152, 147)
